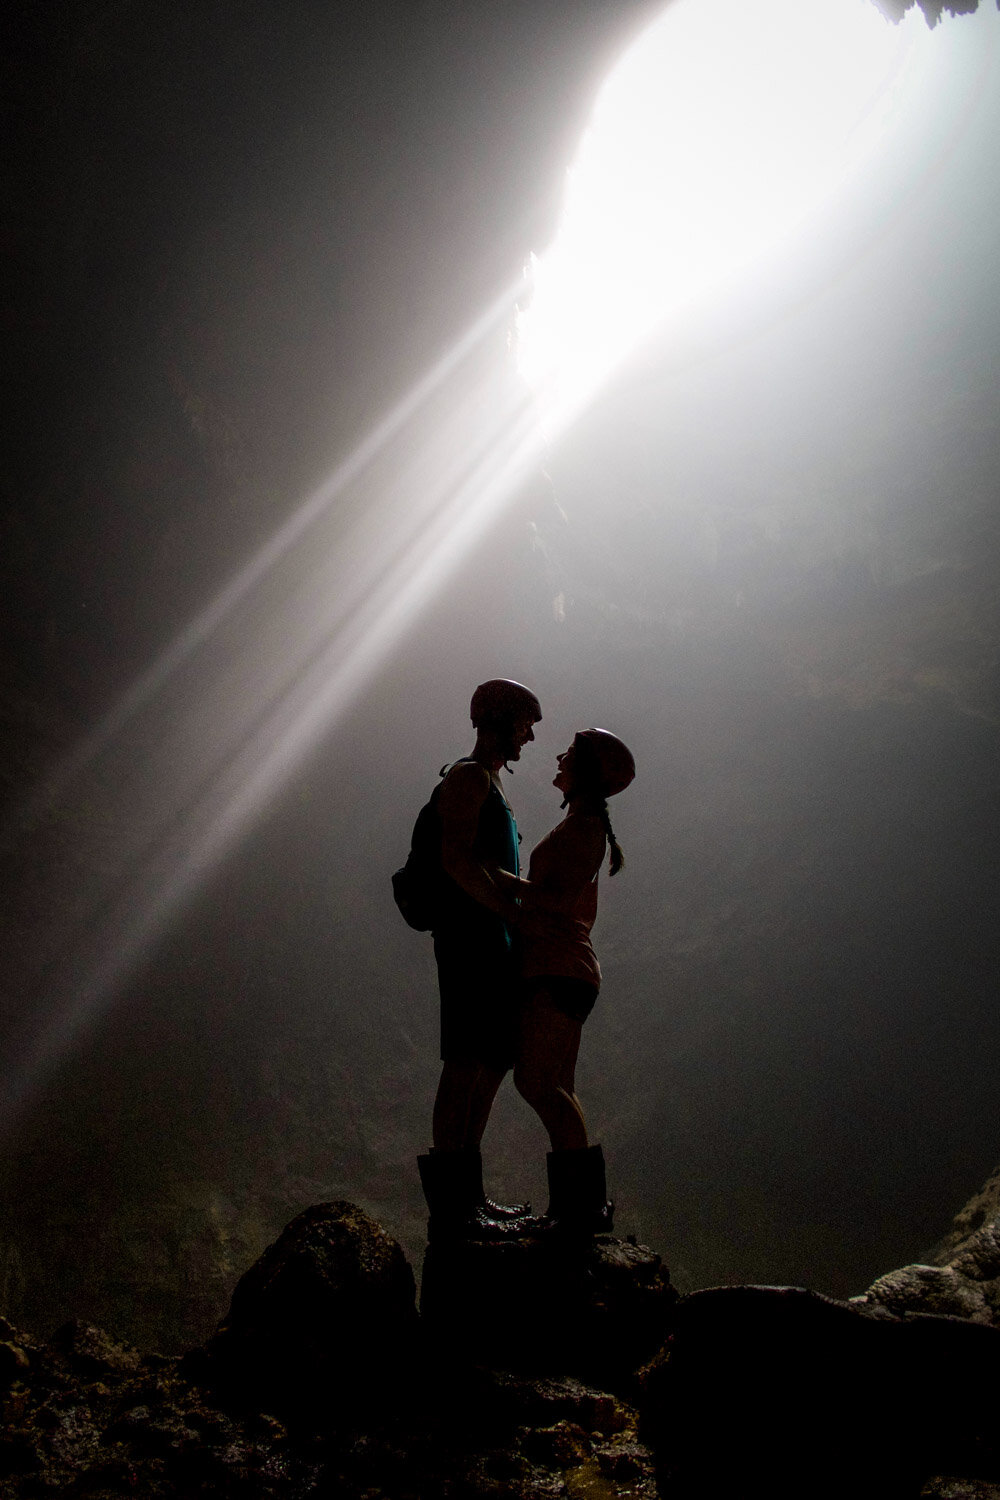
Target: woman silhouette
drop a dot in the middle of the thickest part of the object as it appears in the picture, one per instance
(558, 904)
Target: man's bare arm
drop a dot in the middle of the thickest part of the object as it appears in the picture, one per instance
(460, 803)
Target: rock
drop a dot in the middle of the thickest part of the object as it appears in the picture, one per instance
(325, 1319)
(814, 1396)
(313, 1327)
(14, 1362)
(963, 1277)
(979, 1256)
(562, 1446)
(930, 1289)
(542, 1402)
(90, 1351)
(946, 1487)
(982, 1210)
(19, 1454)
(596, 1308)
(622, 1461)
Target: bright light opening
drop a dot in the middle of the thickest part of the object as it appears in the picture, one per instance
(720, 130)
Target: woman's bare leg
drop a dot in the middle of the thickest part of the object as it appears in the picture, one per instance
(544, 1074)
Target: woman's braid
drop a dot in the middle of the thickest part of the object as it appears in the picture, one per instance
(617, 860)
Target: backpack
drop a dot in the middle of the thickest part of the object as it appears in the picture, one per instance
(416, 887)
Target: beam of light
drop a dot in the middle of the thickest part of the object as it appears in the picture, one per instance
(208, 621)
(194, 784)
(720, 131)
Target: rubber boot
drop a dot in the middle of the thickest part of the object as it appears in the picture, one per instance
(501, 1212)
(578, 1194)
(452, 1184)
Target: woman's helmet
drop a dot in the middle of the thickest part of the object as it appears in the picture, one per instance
(602, 755)
(500, 701)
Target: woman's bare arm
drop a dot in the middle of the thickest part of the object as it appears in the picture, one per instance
(578, 845)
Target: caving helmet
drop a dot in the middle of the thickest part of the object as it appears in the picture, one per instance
(500, 701)
(603, 756)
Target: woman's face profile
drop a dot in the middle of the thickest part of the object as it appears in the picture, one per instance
(563, 779)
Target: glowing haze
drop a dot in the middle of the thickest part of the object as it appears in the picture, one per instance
(720, 130)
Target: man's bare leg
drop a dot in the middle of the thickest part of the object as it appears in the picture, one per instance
(465, 1096)
(453, 1104)
(483, 1095)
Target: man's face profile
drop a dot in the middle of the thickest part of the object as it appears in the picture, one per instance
(518, 735)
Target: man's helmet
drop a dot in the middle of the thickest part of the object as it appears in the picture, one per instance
(605, 757)
(501, 701)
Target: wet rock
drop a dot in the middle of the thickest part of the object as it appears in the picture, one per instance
(91, 1418)
(19, 1453)
(325, 1319)
(90, 1351)
(623, 1461)
(141, 1429)
(597, 1308)
(949, 1488)
(542, 1402)
(146, 1430)
(824, 1397)
(587, 1482)
(14, 1362)
(562, 1446)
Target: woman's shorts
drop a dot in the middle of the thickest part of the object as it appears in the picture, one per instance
(574, 997)
(477, 978)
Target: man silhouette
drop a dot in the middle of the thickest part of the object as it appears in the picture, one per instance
(476, 967)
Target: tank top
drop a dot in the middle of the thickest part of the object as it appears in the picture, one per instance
(495, 843)
(558, 943)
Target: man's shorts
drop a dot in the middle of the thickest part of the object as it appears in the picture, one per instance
(478, 983)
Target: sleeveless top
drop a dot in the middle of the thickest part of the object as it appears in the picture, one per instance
(558, 944)
(495, 843)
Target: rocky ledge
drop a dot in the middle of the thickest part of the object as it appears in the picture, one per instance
(532, 1369)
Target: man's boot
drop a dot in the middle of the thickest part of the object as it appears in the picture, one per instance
(578, 1194)
(453, 1185)
(501, 1212)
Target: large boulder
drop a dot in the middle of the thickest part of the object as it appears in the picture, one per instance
(781, 1390)
(596, 1307)
(324, 1323)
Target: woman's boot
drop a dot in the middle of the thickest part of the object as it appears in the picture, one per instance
(578, 1194)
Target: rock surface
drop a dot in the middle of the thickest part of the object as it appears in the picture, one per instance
(963, 1278)
(599, 1307)
(517, 1380)
(321, 1382)
(326, 1317)
(819, 1397)
(894, 1393)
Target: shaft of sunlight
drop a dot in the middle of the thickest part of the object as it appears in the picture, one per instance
(219, 610)
(331, 619)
